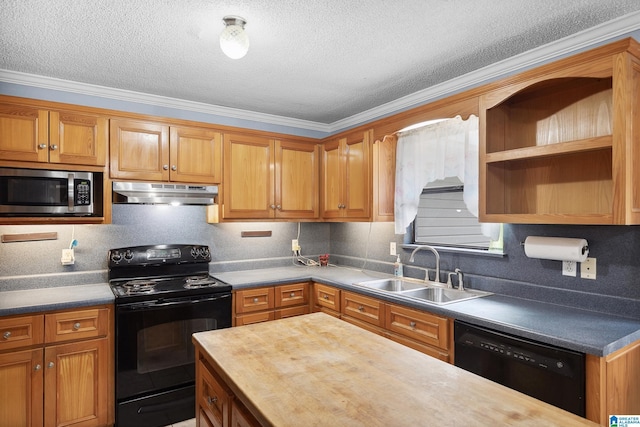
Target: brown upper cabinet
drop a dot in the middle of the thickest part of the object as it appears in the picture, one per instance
(151, 151)
(32, 134)
(268, 178)
(558, 144)
(347, 177)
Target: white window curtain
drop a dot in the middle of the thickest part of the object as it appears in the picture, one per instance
(444, 149)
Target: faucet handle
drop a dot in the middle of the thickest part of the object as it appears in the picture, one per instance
(460, 279)
(449, 284)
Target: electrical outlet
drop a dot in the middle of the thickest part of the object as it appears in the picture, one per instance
(588, 269)
(392, 248)
(294, 245)
(67, 257)
(569, 268)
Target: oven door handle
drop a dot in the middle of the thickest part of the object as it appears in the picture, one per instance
(150, 305)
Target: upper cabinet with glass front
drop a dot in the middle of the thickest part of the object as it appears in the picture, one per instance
(560, 144)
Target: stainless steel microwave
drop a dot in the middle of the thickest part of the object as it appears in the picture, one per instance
(35, 192)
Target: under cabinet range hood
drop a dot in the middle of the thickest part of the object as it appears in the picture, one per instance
(158, 193)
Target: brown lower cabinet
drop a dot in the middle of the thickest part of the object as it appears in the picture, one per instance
(56, 369)
(264, 304)
(216, 404)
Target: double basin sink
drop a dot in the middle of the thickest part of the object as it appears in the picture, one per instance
(430, 292)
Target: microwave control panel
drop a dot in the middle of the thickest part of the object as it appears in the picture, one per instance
(82, 192)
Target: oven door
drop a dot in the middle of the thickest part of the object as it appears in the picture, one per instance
(154, 353)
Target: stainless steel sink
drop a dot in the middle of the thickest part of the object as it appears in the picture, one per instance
(392, 285)
(430, 292)
(443, 295)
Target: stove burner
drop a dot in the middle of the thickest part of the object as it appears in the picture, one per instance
(194, 282)
(139, 286)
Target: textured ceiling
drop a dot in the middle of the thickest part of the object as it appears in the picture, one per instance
(320, 60)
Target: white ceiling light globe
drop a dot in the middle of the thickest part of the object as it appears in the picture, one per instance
(234, 40)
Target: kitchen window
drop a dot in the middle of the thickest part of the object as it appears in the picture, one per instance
(444, 220)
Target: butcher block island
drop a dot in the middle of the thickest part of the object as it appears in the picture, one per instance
(316, 370)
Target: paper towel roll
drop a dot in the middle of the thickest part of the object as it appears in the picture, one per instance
(556, 248)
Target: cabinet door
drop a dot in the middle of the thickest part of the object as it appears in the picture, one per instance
(332, 179)
(21, 390)
(357, 176)
(79, 139)
(241, 417)
(24, 133)
(297, 190)
(195, 155)
(76, 384)
(139, 150)
(248, 177)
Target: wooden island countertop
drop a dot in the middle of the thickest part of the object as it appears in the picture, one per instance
(316, 370)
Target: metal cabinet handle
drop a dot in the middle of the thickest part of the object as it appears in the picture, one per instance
(325, 296)
(42, 146)
(361, 308)
(212, 400)
(279, 207)
(174, 168)
(53, 147)
(76, 326)
(6, 335)
(292, 294)
(50, 365)
(256, 300)
(272, 206)
(412, 324)
(165, 167)
(37, 367)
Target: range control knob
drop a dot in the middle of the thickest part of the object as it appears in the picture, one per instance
(128, 255)
(116, 257)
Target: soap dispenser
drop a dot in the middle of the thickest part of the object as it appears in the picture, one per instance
(397, 268)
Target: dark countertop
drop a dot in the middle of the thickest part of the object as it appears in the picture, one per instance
(586, 331)
(54, 298)
(581, 330)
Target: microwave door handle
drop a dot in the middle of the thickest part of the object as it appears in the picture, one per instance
(70, 190)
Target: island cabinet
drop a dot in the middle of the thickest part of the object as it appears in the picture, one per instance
(423, 331)
(267, 178)
(559, 144)
(347, 177)
(57, 368)
(35, 134)
(150, 151)
(255, 305)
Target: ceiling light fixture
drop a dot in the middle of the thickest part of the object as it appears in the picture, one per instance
(234, 40)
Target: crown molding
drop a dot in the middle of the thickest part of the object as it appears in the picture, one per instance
(580, 41)
(575, 43)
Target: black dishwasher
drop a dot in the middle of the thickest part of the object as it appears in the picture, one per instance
(548, 373)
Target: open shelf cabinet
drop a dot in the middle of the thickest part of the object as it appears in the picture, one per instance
(560, 144)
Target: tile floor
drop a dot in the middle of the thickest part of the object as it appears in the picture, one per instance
(186, 423)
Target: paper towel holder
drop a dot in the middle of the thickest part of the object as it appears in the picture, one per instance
(556, 248)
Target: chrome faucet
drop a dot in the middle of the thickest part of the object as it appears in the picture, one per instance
(435, 252)
(460, 279)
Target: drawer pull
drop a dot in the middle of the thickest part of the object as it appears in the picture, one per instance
(6, 335)
(292, 294)
(212, 400)
(361, 308)
(38, 367)
(76, 326)
(50, 365)
(412, 324)
(255, 300)
(325, 296)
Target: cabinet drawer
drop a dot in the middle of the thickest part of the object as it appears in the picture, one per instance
(424, 348)
(77, 324)
(250, 300)
(363, 308)
(292, 311)
(327, 296)
(418, 325)
(214, 397)
(293, 294)
(247, 319)
(21, 331)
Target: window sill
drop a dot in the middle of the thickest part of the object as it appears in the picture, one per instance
(466, 251)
